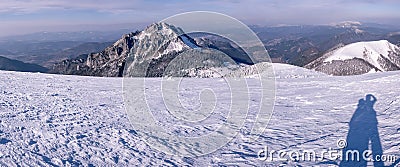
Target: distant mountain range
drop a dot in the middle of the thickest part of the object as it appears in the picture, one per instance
(79, 36)
(48, 53)
(305, 46)
(300, 45)
(15, 65)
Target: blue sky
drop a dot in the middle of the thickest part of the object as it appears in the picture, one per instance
(26, 16)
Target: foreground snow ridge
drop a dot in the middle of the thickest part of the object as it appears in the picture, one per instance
(54, 120)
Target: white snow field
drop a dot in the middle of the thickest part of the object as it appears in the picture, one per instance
(55, 120)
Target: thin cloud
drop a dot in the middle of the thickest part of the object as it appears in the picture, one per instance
(30, 6)
(264, 12)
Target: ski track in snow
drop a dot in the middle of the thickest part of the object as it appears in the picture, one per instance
(52, 120)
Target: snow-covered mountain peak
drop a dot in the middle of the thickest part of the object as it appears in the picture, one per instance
(163, 33)
(160, 29)
(157, 44)
(353, 25)
(359, 58)
(393, 34)
(348, 24)
(382, 47)
(370, 51)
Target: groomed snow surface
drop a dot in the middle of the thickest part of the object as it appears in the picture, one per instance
(54, 120)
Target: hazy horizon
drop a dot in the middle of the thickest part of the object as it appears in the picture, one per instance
(28, 16)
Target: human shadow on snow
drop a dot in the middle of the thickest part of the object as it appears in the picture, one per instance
(363, 132)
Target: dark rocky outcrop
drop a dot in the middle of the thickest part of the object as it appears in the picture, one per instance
(108, 63)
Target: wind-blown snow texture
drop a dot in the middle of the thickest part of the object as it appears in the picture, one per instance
(59, 120)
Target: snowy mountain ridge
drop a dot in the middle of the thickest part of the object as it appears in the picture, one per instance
(372, 51)
(348, 24)
(157, 41)
(359, 58)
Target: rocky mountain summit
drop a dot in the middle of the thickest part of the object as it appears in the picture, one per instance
(155, 48)
(159, 50)
(149, 46)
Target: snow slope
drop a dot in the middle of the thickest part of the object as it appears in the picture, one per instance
(52, 120)
(359, 58)
(370, 51)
